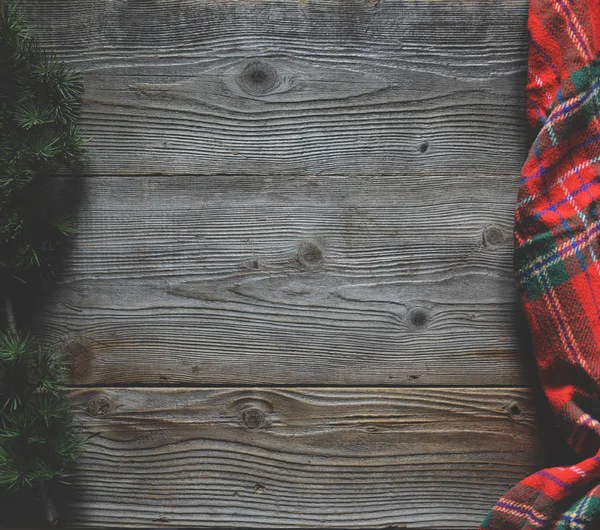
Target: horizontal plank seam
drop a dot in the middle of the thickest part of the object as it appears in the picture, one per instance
(284, 174)
(288, 387)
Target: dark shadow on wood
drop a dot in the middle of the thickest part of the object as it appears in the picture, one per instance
(62, 195)
(557, 450)
(24, 508)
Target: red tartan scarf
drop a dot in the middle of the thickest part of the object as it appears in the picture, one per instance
(557, 260)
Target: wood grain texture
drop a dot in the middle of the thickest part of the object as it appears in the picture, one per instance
(412, 458)
(279, 87)
(299, 280)
(287, 193)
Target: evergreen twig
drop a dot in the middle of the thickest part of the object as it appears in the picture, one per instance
(39, 108)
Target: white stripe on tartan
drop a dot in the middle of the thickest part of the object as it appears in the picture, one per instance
(560, 180)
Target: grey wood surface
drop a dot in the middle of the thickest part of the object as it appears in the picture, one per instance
(261, 280)
(292, 194)
(339, 87)
(345, 458)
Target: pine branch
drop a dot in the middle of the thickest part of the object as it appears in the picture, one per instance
(39, 109)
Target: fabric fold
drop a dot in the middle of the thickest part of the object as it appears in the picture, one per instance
(557, 260)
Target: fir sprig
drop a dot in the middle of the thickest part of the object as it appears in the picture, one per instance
(36, 423)
(39, 108)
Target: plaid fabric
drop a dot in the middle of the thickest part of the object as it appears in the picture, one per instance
(557, 260)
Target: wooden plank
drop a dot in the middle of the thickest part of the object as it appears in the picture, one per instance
(279, 87)
(346, 458)
(299, 280)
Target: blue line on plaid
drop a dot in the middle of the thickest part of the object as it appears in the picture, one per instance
(561, 179)
(567, 107)
(564, 201)
(576, 170)
(576, 517)
(567, 338)
(540, 173)
(546, 58)
(573, 245)
(581, 506)
(572, 519)
(543, 118)
(568, 231)
(574, 29)
(585, 223)
(537, 266)
(554, 479)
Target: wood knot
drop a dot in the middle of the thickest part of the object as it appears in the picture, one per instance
(259, 488)
(372, 4)
(98, 406)
(424, 147)
(253, 264)
(492, 237)
(514, 409)
(251, 411)
(253, 418)
(258, 78)
(417, 318)
(309, 254)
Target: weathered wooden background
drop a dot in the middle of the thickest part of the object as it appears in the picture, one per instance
(290, 301)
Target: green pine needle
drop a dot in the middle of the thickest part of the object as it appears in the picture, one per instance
(37, 440)
(39, 110)
(12, 348)
(32, 113)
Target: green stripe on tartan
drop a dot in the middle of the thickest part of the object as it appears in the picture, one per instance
(540, 256)
(583, 82)
(583, 78)
(583, 515)
(486, 521)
